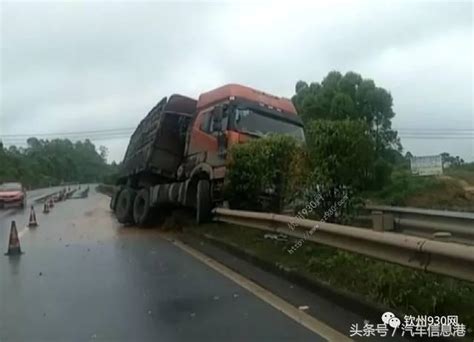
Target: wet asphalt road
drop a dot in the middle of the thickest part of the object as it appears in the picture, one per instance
(83, 277)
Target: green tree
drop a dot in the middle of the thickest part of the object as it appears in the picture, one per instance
(104, 152)
(449, 160)
(49, 162)
(349, 96)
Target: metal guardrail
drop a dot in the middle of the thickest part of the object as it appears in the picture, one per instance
(45, 197)
(57, 195)
(446, 258)
(453, 226)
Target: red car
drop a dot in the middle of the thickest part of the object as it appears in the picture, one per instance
(12, 194)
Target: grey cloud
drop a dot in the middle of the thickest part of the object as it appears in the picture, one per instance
(79, 66)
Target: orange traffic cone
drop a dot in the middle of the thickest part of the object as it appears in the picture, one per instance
(14, 242)
(32, 223)
(46, 208)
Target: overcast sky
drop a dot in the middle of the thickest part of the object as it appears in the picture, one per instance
(68, 67)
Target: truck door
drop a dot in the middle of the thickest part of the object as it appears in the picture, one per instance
(203, 140)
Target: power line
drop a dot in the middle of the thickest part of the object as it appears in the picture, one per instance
(433, 134)
(125, 132)
(435, 129)
(436, 133)
(94, 138)
(106, 130)
(69, 133)
(436, 137)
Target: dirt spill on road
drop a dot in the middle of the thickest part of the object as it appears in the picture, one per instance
(99, 223)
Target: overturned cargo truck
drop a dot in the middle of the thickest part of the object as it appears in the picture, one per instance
(177, 154)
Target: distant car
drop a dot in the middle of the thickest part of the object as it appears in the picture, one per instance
(12, 195)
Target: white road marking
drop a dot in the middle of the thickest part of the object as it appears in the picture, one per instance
(278, 303)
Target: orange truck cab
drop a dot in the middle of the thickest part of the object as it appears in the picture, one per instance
(178, 153)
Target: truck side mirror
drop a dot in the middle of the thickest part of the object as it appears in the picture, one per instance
(217, 116)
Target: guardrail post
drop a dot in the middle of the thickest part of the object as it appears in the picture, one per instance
(388, 221)
(377, 220)
(382, 221)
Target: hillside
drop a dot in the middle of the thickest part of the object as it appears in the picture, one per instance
(452, 191)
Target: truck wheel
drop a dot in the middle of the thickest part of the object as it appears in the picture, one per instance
(124, 208)
(141, 207)
(114, 198)
(203, 201)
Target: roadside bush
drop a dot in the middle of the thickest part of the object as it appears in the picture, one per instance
(342, 161)
(335, 165)
(266, 174)
(382, 172)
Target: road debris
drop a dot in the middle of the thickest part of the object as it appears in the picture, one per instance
(276, 237)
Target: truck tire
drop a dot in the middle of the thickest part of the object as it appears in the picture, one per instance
(203, 201)
(114, 198)
(141, 207)
(124, 208)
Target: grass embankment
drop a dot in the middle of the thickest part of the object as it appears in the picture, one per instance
(465, 174)
(447, 192)
(402, 289)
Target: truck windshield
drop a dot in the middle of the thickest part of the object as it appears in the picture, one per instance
(256, 123)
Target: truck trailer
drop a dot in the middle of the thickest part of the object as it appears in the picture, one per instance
(177, 154)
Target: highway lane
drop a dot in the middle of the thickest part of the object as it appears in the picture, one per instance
(20, 215)
(31, 196)
(83, 277)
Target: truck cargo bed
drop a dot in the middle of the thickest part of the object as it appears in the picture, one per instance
(157, 145)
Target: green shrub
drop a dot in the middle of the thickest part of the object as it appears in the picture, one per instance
(342, 158)
(382, 172)
(265, 174)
